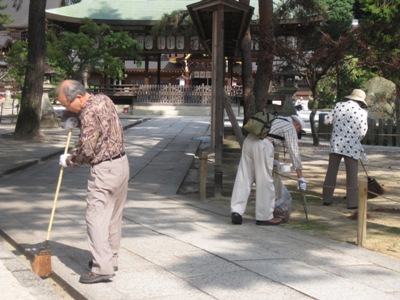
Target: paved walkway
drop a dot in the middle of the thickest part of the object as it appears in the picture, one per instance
(173, 247)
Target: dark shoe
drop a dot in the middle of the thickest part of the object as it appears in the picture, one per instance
(353, 207)
(274, 221)
(327, 203)
(91, 277)
(236, 218)
(90, 264)
(284, 215)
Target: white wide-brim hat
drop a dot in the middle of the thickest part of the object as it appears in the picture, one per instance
(357, 95)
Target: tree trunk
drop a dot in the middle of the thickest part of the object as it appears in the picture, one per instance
(28, 122)
(247, 74)
(247, 78)
(266, 53)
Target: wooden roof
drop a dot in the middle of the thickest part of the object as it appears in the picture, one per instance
(236, 20)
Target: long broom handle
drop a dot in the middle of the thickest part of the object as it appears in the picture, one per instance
(58, 188)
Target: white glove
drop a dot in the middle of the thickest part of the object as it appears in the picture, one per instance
(302, 184)
(63, 160)
(363, 156)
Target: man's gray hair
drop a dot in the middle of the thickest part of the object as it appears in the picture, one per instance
(73, 89)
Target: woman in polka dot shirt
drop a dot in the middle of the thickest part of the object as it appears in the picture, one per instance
(350, 124)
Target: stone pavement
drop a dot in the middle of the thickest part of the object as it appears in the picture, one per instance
(173, 247)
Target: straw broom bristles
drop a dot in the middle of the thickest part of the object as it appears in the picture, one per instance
(41, 263)
(374, 188)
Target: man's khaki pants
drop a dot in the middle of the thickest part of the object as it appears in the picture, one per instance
(106, 196)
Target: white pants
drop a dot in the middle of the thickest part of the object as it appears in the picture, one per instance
(255, 166)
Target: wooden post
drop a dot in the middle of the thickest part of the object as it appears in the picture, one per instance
(371, 132)
(381, 131)
(218, 93)
(362, 213)
(203, 175)
(389, 128)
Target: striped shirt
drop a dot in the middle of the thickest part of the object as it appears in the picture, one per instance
(286, 129)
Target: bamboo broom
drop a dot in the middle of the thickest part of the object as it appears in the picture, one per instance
(41, 263)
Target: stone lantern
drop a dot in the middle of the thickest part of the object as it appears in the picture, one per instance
(48, 117)
(288, 87)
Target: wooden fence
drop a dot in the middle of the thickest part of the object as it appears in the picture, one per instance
(380, 132)
(8, 111)
(174, 95)
(125, 90)
(168, 94)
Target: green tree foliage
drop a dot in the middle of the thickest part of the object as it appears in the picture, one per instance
(340, 80)
(340, 17)
(17, 61)
(379, 34)
(4, 18)
(177, 22)
(95, 48)
(322, 41)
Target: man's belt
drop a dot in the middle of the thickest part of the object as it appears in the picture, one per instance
(122, 154)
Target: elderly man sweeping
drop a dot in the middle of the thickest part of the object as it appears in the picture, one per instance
(101, 145)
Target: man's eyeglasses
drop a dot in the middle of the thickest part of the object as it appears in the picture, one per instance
(68, 103)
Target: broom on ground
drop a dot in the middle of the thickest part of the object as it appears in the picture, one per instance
(41, 263)
(374, 188)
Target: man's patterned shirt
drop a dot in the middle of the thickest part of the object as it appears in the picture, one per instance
(102, 136)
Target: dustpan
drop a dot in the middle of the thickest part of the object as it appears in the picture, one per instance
(374, 188)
